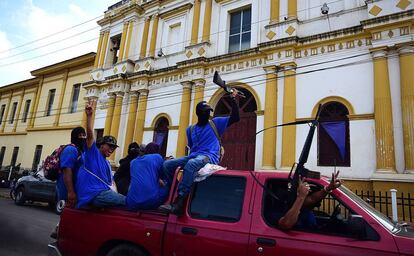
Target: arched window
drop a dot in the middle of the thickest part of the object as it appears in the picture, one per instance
(333, 135)
(161, 134)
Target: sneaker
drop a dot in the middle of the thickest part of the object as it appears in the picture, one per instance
(177, 208)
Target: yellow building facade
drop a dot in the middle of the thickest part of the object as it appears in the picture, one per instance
(39, 113)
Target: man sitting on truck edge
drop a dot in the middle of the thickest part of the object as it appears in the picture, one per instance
(122, 176)
(300, 214)
(70, 162)
(95, 183)
(146, 191)
(204, 148)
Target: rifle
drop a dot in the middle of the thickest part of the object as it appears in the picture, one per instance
(300, 170)
(217, 80)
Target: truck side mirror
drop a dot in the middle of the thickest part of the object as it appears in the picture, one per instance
(357, 227)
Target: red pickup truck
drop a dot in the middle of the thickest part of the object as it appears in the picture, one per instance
(228, 214)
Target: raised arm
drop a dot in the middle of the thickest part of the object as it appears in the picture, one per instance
(289, 220)
(235, 114)
(315, 198)
(90, 138)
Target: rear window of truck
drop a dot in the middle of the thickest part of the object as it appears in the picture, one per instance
(218, 198)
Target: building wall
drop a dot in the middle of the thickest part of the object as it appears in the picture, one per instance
(48, 131)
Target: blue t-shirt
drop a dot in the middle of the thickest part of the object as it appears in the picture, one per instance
(69, 158)
(203, 141)
(145, 191)
(87, 185)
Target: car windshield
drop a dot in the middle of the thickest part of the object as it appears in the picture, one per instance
(384, 220)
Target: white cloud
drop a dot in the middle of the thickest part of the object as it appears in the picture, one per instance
(40, 24)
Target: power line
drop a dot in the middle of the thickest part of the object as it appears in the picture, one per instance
(119, 30)
(213, 88)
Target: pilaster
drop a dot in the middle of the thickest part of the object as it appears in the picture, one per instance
(184, 118)
(407, 103)
(270, 118)
(383, 112)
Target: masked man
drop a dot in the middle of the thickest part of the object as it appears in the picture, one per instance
(204, 148)
(70, 161)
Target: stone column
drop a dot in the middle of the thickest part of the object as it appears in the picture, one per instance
(103, 50)
(383, 112)
(62, 94)
(142, 110)
(154, 35)
(144, 41)
(207, 21)
(292, 9)
(184, 118)
(407, 103)
(122, 43)
(19, 109)
(33, 111)
(98, 51)
(199, 86)
(270, 119)
(132, 113)
(109, 114)
(116, 118)
(289, 115)
(274, 11)
(196, 22)
(131, 25)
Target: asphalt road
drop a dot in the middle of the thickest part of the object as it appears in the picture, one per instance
(25, 230)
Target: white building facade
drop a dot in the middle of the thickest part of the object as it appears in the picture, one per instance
(156, 61)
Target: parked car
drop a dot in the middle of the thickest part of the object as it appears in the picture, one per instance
(229, 214)
(35, 187)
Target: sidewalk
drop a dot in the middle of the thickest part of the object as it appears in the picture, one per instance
(4, 192)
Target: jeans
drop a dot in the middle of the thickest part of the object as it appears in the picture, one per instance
(191, 166)
(109, 198)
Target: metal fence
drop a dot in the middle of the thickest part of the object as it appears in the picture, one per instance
(382, 202)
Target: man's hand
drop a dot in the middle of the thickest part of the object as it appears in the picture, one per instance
(71, 199)
(335, 182)
(234, 93)
(303, 188)
(89, 108)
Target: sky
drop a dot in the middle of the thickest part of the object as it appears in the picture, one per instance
(38, 33)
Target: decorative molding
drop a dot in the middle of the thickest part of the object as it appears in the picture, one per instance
(12, 133)
(51, 128)
(176, 11)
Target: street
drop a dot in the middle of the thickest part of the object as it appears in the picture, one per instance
(24, 230)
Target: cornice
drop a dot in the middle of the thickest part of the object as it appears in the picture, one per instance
(25, 83)
(176, 11)
(67, 64)
(51, 128)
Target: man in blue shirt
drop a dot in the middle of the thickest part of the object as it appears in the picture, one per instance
(95, 184)
(70, 161)
(204, 148)
(145, 191)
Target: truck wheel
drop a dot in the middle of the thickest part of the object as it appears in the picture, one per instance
(59, 206)
(20, 198)
(125, 250)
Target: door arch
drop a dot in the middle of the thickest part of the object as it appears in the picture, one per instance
(239, 140)
(161, 134)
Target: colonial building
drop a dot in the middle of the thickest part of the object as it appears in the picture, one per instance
(37, 115)
(156, 59)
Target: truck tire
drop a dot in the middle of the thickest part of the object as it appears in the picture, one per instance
(125, 250)
(20, 198)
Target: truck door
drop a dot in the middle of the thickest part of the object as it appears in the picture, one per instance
(329, 236)
(216, 220)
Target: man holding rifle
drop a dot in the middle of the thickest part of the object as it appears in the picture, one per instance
(204, 144)
(300, 213)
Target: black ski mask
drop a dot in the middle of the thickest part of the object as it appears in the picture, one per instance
(203, 113)
(74, 137)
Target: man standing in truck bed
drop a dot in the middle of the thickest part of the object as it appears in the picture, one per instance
(203, 140)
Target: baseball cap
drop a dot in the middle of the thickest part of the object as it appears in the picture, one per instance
(110, 140)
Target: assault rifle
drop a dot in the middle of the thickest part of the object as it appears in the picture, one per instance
(299, 168)
(217, 80)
